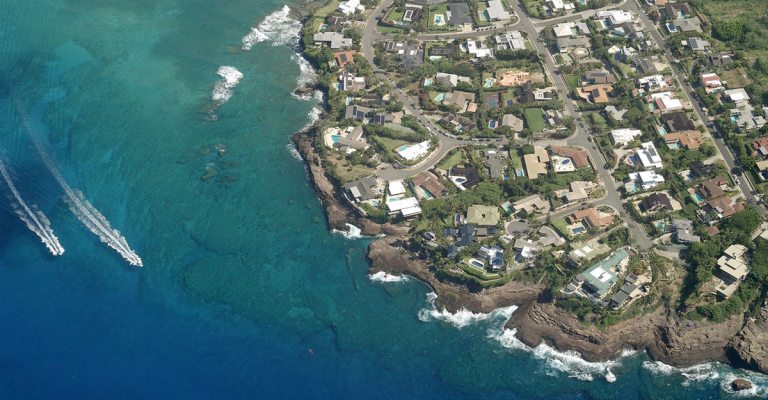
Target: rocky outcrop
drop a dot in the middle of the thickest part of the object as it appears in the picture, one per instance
(751, 345)
(740, 384)
(337, 212)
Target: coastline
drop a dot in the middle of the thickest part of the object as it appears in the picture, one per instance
(536, 321)
(661, 334)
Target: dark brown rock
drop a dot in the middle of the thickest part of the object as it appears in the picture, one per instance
(739, 384)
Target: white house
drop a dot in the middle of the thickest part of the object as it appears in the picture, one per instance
(396, 187)
(415, 151)
(496, 11)
(625, 135)
(648, 156)
(406, 207)
(350, 7)
(646, 179)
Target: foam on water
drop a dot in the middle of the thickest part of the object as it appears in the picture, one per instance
(463, 317)
(225, 87)
(291, 147)
(278, 28)
(352, 232)
(35, 220)
(382, 276)
(712, 372)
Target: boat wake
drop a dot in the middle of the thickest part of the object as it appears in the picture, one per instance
(35, 220)
(88, 215)
(278, 28)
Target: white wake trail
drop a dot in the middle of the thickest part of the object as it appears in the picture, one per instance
(35, 220)
(88, 215)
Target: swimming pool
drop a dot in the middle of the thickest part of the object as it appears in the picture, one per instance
(519, 172)
(579, 229)
(697, 197)
(440, 97)
(428, 82)
(335, 138)
(662, 131)
(492, 124)
(403, 147)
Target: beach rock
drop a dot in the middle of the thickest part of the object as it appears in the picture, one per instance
(740, 384)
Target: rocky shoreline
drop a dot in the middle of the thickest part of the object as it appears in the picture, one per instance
(661, 334)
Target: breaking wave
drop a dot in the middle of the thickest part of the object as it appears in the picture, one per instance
(463, 317)
(291, 147)
(225, 87)
(568, 362)
(278, 28)
(35, 220)
(713, 372)
(352, 232)
(382, 276)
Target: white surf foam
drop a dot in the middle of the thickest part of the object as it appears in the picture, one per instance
(307, 74)
(352, 232)
(463, 317)
(713, 372)
(278, 28)
(382, 276)
(225, 87)
(32, 217)
(291, 147)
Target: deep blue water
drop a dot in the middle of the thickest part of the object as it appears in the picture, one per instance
(244, 292)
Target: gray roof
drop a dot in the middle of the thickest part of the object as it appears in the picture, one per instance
(689, 24)
(698, 44)
(363, 188)
(459, 14)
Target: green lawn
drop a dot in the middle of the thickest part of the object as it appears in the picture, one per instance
(328, 8)
(534, 118)
(451, 160)
(572, 81)
(561, 227)
(391, 144)
(389, 29)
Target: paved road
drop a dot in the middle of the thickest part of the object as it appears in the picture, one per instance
(723, 150)
(581, 137)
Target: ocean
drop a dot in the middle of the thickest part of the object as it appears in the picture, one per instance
(174, 120)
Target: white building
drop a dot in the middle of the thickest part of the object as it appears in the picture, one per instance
(737, 96)
(615, 17)
(406, 207)
(646, 179)
(496, 11)
(478, 49)
(451, 79)
(396, 187)
(653, 83)
(625, 135)
(415, 151)
(350, 7)
(648, 156)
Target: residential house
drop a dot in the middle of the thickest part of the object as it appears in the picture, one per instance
(430, 183)
(478, 49)
(591, 217)
(411, 13)
(722, 58)
(579, 157)
(496, 11)
(614, 17)
(732, 268)
(531, 204)
(689, 140)
(496, 164)
(359, 113)
(451, 80)
(568, 44)
(683, 231)
(463, 100)
(407, 207)
(656, 202)
(653, 83)
(467, 175)
(512, 40)
(343, 58)
(333, 40)
(625, 135)
(686, 25)
(677, 121)
(698, 44)
(711, 82)
(459, 14)
(536, 163)
(579, 190)
(449, 51)
(599, 76)
(648, 156)
(364, 189)
(761, 146)
(481, 215)
(737, 96)
(513, 122)
(350, 82)
(597, 281)
(644, 179)
(570, 29)
(350, 7)
(525, 249)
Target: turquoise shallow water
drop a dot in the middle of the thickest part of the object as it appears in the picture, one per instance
(244, 292)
